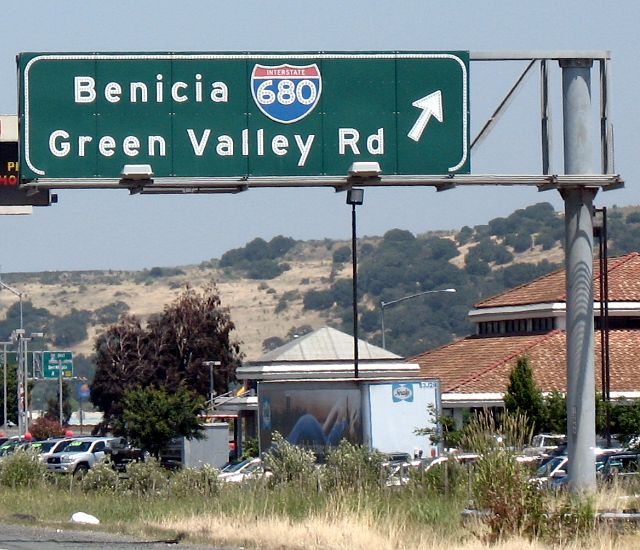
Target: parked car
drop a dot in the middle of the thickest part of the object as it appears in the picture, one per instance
(546, 445)
(554, 471)
(252, 468)
(48, 447)
(621, 466)
(79, 455)
(11, 445)
(121, 454)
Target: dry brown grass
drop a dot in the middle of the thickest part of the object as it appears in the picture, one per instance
(357, 532)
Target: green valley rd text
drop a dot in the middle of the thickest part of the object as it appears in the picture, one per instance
(242, 115)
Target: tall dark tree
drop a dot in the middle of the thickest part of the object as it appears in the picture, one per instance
(166, 354)
(523, 395)
(193, 329)
(121, 363)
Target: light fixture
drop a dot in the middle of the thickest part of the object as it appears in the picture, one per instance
(136, 172)
(355, 196)
(366, 169)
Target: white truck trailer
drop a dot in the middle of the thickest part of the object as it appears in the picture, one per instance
(382, 414)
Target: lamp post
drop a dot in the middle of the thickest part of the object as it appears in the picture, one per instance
(18, 336)
(600, 231)
(392, 302)
(354, 197)
(212, 392)
(4, 383)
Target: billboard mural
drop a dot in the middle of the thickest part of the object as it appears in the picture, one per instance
(315, 415)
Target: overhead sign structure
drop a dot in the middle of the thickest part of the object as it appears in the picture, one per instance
(53, 362)
(243, 114)
(10, 192)
(11, 195)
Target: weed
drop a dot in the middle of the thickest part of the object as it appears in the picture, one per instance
(102, 478)
(22, 468)
(146, 478)
(201, 482)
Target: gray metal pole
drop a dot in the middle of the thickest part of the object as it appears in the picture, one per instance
(382, 304)
(26, 384)
(576, 97)
(61, 415)
(354, 280)
(21, 382)
(4, 386)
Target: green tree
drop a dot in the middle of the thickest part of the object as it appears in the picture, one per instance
(318, 300)
(555, 413)
(151, 417)
(342, 254)
(523, 395)
(626, 419)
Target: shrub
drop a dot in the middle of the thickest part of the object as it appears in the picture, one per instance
(201, 482)
(352, 467)
(146, 478)
(633, 217)
(568, 518)
(500, 484)
(102, 478)
(22, 469)
(318, 300)
(44, 428)
(265, 269)
(448, 478)
(289, 463)
(251, 448)
(272, 343)
(341, 255)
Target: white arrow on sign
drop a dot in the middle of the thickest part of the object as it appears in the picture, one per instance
(431, 105)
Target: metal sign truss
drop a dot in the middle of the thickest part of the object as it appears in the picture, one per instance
(607, 179)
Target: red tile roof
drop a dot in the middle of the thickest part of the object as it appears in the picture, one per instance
(624, 285)
(482, 364)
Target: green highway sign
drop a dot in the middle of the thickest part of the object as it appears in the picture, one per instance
(53, 361)
(243, 114)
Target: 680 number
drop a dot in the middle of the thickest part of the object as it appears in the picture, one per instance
(287, 92)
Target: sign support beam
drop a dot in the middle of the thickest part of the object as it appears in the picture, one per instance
(576, 74)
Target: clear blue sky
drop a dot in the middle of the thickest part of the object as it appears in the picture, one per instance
(112, 230)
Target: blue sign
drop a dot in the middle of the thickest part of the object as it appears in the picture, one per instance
(84, 392)
(402, 392)
(286, 93)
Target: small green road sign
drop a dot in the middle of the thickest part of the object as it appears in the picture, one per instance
(243, 115)
(53, 361)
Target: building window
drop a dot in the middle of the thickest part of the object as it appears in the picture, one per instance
(516, 326)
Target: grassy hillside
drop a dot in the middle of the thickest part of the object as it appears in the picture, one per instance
(284, 287)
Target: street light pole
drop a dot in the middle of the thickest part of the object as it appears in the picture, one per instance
(4, 384)
(17, 336)
(392, 302)
(23, 378)
(354, 197)
(212, 392)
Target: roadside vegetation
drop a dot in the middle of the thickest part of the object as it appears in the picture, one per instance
(345, 504)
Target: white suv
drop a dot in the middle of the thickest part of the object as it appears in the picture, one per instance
(79, 455)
